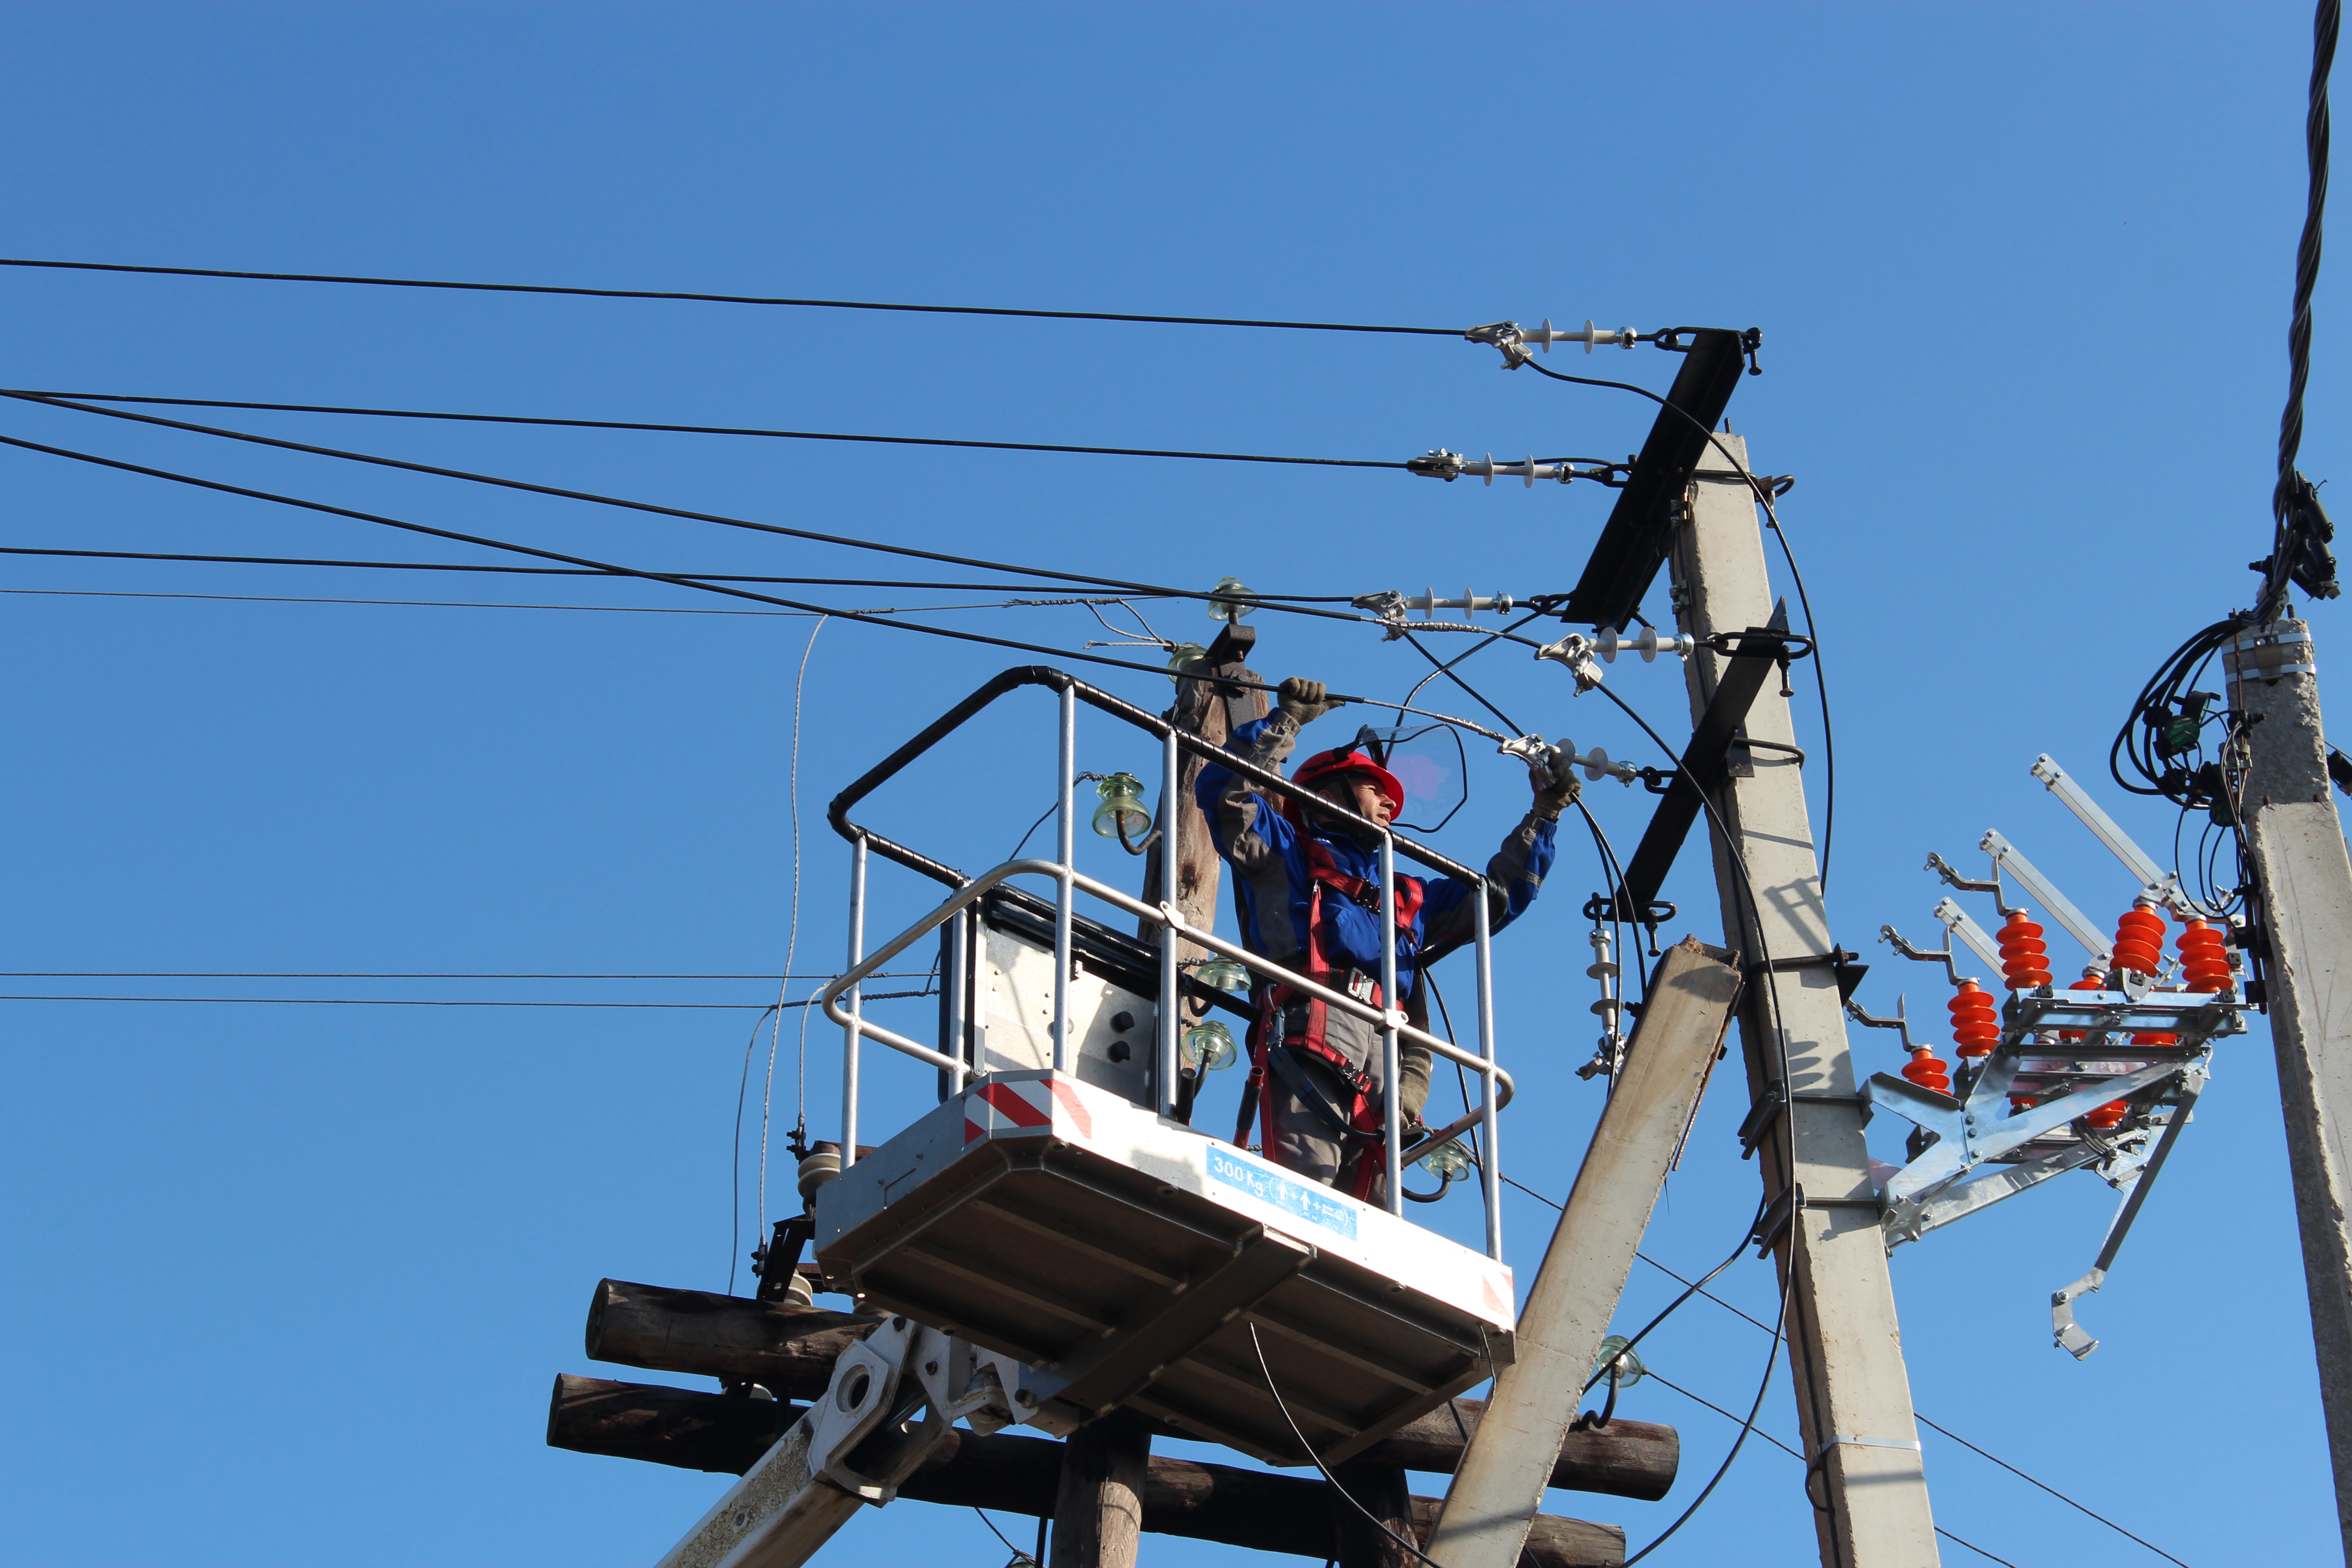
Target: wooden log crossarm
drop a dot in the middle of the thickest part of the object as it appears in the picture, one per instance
(1254, 1508)
(789, 1351)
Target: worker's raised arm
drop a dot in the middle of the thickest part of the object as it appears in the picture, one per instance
(1514, 874)
(1245, 825)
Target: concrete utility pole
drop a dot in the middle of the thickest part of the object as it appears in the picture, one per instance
(2288, 810)
(1507, 1461)
(1853, 1397)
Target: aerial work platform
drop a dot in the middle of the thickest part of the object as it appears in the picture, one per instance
(1124, 1258)
(1056, 1212)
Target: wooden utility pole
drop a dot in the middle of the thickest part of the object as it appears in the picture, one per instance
(1508, 1460)
(1845, 1348)
(2288, 812)
(1098, 1511)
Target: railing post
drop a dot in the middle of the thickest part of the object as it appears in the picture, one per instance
(1065, 845)
(1171, 779)
(1491, 1176)
(1392, 1108)
(849, 1033)
(959, 982)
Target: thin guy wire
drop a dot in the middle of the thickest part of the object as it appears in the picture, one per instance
(792, 940)
(659, 429)
(1947, 1431)
(725, 299)
(1719, 1410)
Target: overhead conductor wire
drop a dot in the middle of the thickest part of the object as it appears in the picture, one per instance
(542, 421)
(728, 298)
(867, 618)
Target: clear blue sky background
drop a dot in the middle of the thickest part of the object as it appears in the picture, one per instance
(285, 1284)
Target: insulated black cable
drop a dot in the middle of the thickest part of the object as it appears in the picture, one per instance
(2323, 26)
(658, 511)
(709, 587)
(1668, 1310)
(735, 1162)
(1308, 1449)
(1737, 857)
(1475, 695)
(1763, 498)
(726, 298)
(720, 430)
(1754, 1408)
(1947, 1431)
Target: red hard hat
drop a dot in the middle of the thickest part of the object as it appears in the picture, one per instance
(1343, 760)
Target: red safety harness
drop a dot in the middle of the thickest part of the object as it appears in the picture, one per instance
(1363, 1112)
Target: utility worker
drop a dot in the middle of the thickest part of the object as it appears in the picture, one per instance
(1307, 886)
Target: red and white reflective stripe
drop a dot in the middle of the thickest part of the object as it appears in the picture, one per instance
(1023, 1105)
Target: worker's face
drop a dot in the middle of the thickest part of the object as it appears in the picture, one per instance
(1361, 795)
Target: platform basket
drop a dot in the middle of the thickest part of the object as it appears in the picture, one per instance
(1125, 1257)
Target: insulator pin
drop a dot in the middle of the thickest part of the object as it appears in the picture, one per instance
(1976, 1028)
(2139, 941)
(2024, 957)
(2205, 959)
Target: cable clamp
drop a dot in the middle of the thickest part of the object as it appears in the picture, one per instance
(1575, 650)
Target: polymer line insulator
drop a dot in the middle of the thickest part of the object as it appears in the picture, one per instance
(2156, 1039)
(1976, 1028)
(1928, 1070)
(2204, 958)
(2093, 980)
(2024, 957)
(2139, 940)
(2108, 1116)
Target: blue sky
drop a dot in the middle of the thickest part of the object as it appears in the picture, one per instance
(287, 1282)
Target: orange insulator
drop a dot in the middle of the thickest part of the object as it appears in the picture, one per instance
(2021, 1102)
(2139, 941)
(2024, 957)
(1928, 1070)
(2153, 1039)
(2204, 958)
(2109, 1115)
(1975, 1026)
(2092, 981)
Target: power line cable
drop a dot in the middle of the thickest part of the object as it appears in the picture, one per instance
(859, 616)
(728, 298)
(722, 430)
(444, 1002)
(581, 572)
(527, 487)
(384, 974)
(1947, 1431)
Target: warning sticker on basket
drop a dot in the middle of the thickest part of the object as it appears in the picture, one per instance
(1309, 1201)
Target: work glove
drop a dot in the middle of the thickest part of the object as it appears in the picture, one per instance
(1555, 787)
(1306, 700)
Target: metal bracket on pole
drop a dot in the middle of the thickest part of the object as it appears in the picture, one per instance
(851, 1448)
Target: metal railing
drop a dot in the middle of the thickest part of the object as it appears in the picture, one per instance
(841, 998)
